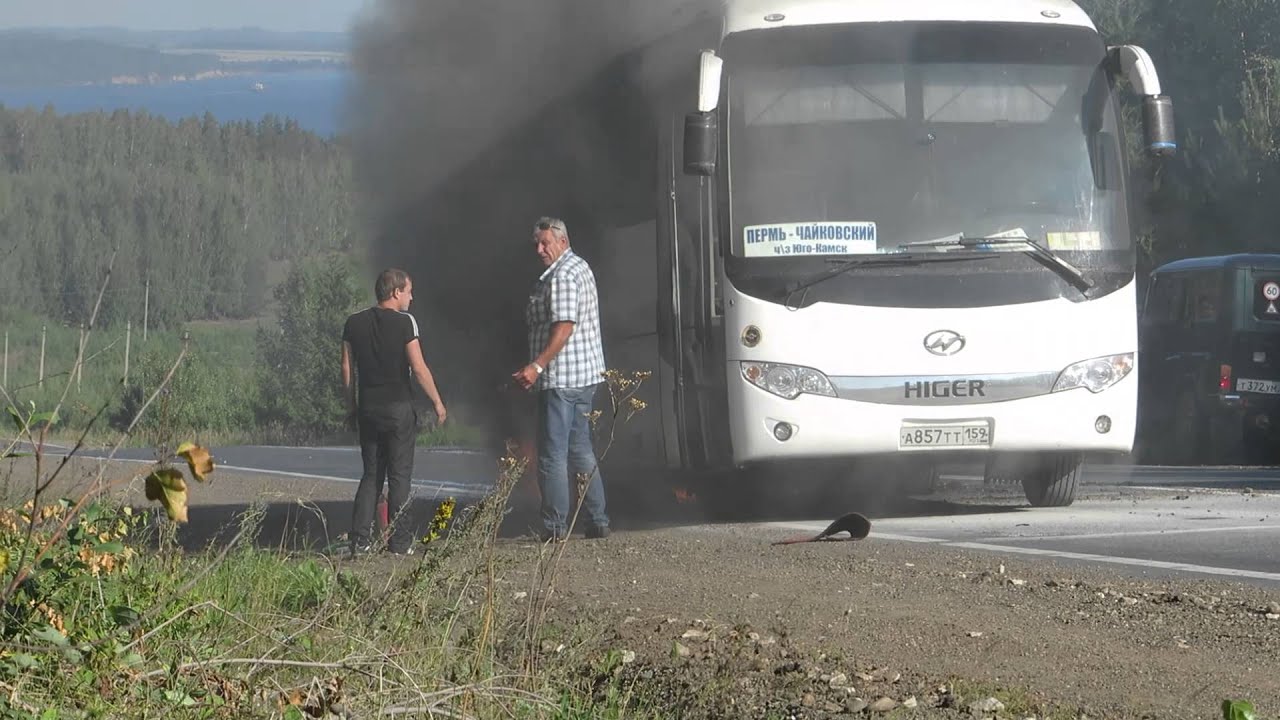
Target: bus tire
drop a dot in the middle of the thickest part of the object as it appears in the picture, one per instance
(1054, 483)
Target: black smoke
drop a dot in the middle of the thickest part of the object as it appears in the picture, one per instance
(471, 118)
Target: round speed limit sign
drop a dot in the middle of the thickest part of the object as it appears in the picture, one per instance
(1271, 291)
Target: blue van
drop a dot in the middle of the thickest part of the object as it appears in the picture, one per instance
(1209, 362)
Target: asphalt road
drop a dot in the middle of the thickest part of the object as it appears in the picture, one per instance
(1221, 523)
(1150, 521)
(464, 474)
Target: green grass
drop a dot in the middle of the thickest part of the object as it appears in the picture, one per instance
(225, 357)
(235, 631)
(228, 347)
(453, 434)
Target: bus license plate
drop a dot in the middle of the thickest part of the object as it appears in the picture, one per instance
(1270, 387)
(942, 435)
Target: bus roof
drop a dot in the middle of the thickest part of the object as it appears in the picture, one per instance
(742, 15)
(1210, 262)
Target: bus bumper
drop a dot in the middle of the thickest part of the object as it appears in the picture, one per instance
(820, 427)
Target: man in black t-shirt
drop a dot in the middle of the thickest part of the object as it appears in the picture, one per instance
(380, 347)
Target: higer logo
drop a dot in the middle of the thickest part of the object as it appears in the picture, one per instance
(925, 389)
(944, 342)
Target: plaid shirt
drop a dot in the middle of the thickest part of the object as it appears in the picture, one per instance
(567, 292)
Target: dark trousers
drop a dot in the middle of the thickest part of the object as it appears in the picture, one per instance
(387, 434)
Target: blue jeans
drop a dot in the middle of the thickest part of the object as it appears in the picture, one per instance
(564, 444)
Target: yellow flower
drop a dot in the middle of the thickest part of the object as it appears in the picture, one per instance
(440, 521)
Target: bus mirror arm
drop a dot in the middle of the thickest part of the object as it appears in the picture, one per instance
(1133, 63)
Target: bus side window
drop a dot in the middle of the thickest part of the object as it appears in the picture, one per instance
(1164, 300)
(1205, 293)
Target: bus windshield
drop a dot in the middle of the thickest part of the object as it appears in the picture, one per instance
(857, 140)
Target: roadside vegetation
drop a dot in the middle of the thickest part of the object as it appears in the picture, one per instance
(251, 381)
(103, 614)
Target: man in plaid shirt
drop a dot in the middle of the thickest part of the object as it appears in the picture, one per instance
(566, 368)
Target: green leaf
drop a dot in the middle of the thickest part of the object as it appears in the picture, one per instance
(1238, 710)
(24, 661)
(293, 712)
(123, 615)
(14, 454)
(50, 417)
(131, 659)
(115, 547)
(50, 714)
(50, 634)
(92, 513)
(17, 419)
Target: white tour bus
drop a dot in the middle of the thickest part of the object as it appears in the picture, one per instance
(888, 234)
(920, 217)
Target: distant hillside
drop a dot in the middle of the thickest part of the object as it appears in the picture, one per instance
(96, 56)
(236, 39)
(32, 58)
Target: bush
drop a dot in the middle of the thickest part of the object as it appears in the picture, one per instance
(204, 396)
(298, 363)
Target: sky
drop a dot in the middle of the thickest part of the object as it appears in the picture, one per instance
(322, 15)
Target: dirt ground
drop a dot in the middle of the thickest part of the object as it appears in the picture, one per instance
(712, 621)
(828, 629)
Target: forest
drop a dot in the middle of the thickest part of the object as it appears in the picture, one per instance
(217, 227)
(200, 211)
(1220, 61)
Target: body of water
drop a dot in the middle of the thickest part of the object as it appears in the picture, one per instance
(312, 98)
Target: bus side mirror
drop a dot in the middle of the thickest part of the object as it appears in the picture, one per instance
(701, 129)
(1135, 64)
(700, 142)
(1157, 123)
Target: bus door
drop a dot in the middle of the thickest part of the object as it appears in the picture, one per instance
(690, 310)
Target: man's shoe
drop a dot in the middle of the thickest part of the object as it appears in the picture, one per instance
(360, 549)
(598, 532)
(552, 536)
(407, 551)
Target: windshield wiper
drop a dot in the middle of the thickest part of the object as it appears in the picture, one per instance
(1040, 253)
(843, 266)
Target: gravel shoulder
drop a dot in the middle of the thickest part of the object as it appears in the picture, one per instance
(816, 630)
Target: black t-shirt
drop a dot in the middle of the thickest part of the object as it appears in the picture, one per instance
(378, 338)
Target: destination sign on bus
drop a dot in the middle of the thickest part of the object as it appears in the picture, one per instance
(809, 238)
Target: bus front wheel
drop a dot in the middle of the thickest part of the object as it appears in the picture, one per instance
(1053, 482)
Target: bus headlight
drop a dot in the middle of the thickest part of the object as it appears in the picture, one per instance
(787, 381)
(1097, 374)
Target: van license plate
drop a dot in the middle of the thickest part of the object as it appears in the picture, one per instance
(1270, 387)
(941, 435)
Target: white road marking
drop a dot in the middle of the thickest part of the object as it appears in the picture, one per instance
(356, 449)
(1208, 489)
(1183, 567)
(1063, 554)
(1134, 533)
(438, 486)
